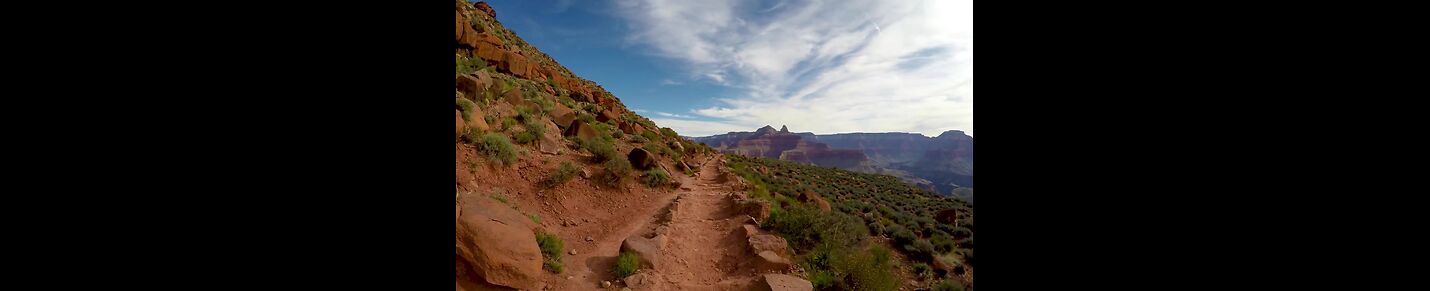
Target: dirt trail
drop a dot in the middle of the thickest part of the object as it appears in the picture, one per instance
(702, 249)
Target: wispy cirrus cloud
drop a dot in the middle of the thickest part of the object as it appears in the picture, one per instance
(667, 114)
(821, 66)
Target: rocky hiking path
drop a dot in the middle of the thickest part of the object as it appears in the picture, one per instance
(695, 238)
(703, 250)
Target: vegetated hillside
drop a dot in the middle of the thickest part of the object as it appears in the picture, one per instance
(827, 215)
(551, 169)
(942, 164)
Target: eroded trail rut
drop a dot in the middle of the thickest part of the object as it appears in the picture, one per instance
(700, 238)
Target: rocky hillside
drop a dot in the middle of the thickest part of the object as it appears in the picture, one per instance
(940, 164)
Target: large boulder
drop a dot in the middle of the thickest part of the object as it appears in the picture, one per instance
(517, 65)
(758, 209)
(646, 248)
(478, 119)
(607, 115)
(580, 130)
(782, 282)
(497, 244)
(675, 145)
(471, 87)
(489, 48)
(550, 143)
(514, 96)
(765, 242)
(486, 9)
(769, 261)
(641, 159)
(562, 115)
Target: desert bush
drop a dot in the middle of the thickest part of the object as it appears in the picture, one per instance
(655, 178)
(497, 148)
(627, 264)
(616, 170)
(603, 149)
(922, 270)
(507, 123)
(466, 108)
(638, 139)
(651, 136)
(562, 174)
(524, 137)
(551, 246)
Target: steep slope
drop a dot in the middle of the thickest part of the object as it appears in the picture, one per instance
(555, 177)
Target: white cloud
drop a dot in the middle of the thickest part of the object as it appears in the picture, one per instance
(667, 114)
(699, 128)
(821, 66)
(638, 110)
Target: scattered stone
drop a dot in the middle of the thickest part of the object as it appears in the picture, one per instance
(570, 277)
(641, 159)
(644, 247)
(625, 289)
(771, 262)
(572, 252)
(585, 174)
(605, 284)
(588, 238)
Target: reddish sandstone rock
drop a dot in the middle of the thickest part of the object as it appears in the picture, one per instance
(486, 9)
(470, 86)
(764, 242)
(514, 96)
(606, 115)
(489, 48)
(646, 248)
(496, 243)
(516, 65)
(758, 209)
(781, 282)
(641, 159)
(478, 119)
(562, 115)
(769, 261)
(580, 130)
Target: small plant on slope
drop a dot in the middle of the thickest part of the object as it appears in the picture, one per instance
(551, 246)
(627, 264)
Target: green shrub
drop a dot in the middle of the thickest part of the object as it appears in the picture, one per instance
(922, 270)
(467, 65)
(563, 173)
(920, 249)
(603, 149)
(587, 118)
(669, 133)
(497, 148)
(473, 134)
(491, 120)
(821, 279)
(534, 217)
(551, 246)
(864, 272)
(651, 136)
(507, 123)
(627, 264)
(524, 137)
(467, 107)
(638, 139)
(656, 178)
(616, 171)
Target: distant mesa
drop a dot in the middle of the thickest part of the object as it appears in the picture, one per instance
(941, 164)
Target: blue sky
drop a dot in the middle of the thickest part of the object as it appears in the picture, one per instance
(708, 67)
